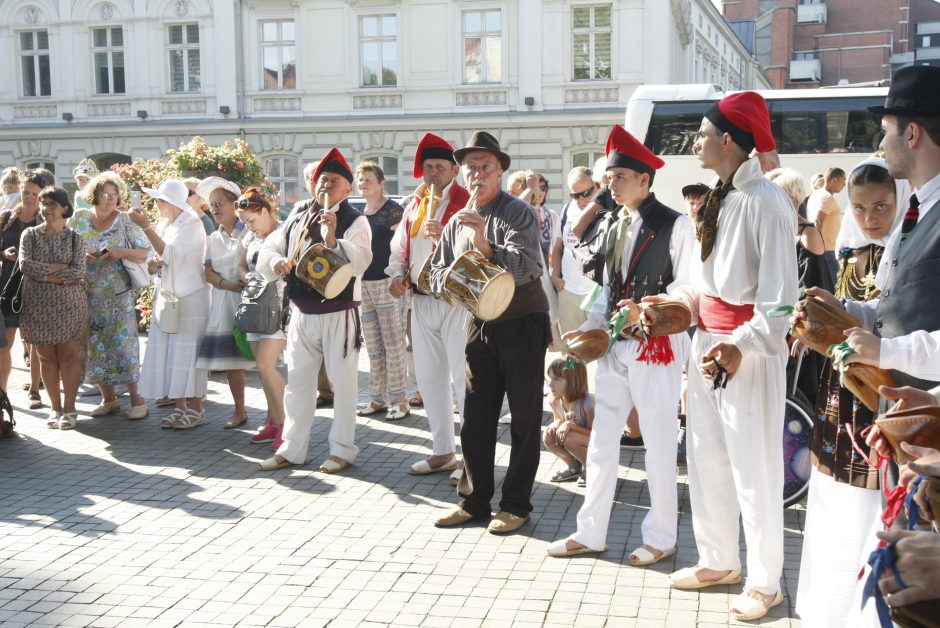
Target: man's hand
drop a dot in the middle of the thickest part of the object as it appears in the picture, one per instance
(867, 346)
(328, 219)
(10, 254)
(283, 267)
(559, 283)
(433, 229)
(918, 562)
(633, 317)
(396, 287)
(907, 397)
(823, 295)
(722, 354)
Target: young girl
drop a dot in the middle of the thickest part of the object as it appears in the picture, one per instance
(573, 408)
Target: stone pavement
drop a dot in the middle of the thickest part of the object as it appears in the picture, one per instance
(122, 523)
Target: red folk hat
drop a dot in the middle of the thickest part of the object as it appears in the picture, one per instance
(625, 151)
(745, 118)
(333, 162)
(431, 147)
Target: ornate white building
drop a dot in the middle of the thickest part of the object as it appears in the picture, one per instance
(120, 79)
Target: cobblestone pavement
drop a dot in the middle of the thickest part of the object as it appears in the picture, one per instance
(122, 523)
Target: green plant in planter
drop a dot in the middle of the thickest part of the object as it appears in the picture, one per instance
(233, 160)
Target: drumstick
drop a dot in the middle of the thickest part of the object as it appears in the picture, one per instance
(303, 237)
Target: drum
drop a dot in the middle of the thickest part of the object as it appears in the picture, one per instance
(424, 281)
(797, 425)
(325, 271)
(479, 285)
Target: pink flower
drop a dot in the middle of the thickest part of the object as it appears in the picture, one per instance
(239, 164)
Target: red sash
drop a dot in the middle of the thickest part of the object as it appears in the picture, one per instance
(720, 317)
(457, 201)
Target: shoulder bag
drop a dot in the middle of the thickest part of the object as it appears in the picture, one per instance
(11, 293)
(140, 276)
(260, 309)
(166, 309)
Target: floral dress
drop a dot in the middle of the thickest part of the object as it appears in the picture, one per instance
(113, 349)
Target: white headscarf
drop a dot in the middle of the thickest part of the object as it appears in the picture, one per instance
(850, 234)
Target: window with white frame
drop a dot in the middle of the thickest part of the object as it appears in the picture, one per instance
(586, 158)
(482, 46)
(590, 41)
(45, 165)
(284, 172)
(378, 49)
(278, 54)
(108, 51)
(185, 63)
(34, 63)
(389, 166)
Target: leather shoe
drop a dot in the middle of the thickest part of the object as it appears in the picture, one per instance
(456, 517)
(506, 522)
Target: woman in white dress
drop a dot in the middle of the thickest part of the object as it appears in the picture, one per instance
(224, 250)
(169, 368)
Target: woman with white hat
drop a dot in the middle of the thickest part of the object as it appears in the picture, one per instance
(224, 249)
(179, 244)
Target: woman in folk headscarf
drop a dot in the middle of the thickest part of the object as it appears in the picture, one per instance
(844, 502)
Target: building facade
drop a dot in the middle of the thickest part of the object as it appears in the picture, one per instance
(814, 43)
(121, 79)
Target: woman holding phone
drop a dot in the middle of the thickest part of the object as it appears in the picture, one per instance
(113, 356)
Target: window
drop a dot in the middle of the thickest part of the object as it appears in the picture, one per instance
(36, 165)
(483, 47)
(586, 158)
(805, 56)
(389, 165)
(34, 63)
(283, 172)
(378, 50)
(108, 49)
(591, 42)
(278, 54)
(183, 46)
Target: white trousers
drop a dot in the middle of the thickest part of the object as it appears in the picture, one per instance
(623, 383)
(570, 314)
(438, 343)
(841, 521)
(735, 457)
(312, 339)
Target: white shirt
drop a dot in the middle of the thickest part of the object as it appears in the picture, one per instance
(355, 246)
(421, 245)
(917, 353)
(680, 251)
(575, 281)
(753, 260)
(184, 253)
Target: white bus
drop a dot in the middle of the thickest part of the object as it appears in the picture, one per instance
(815, 129)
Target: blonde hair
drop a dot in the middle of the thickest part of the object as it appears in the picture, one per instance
(11, 176)
(374, 168)
(100, 179)
(576, 382)
(792, 183)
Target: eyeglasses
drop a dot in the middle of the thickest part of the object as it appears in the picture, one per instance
(244, 203)
(218, 204)
(190, 194)
(585, 194)
(108, 195)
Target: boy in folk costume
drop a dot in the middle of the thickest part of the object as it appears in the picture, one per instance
(743, 267)
(438, 328)
(648, 258)
(321, 329)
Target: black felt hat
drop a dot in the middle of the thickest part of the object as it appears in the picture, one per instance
(914, 92)
(695, 189)
(481, 140)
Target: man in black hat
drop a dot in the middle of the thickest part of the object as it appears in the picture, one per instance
(505, 356)
(694, 195)
(905, 321)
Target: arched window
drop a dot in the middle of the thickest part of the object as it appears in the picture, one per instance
(389, 165)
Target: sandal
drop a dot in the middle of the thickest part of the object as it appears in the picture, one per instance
(641, 556)
(235, 421)
(397, 414)
(68, 421)
(332, 466)
(189, 419)
(52, 422)
(170, 419)
(568, 474)
(747, 608)
(368, 409)
(35, 401)
(166, 401)
(416, 401)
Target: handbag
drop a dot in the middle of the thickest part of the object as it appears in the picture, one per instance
(166, 309)
(11, 296)
(138, 272)
(260, 309)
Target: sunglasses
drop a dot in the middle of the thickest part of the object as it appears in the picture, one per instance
(244, 203)
(585, 194)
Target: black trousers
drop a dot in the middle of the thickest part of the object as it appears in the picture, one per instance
(506, 358)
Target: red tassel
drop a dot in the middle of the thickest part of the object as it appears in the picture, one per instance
(656, 350)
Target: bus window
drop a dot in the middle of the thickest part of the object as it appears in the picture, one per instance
(806, 126)
(673, 127)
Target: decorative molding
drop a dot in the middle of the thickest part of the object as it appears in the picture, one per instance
(31, 15)
(682, 17)
(377, 101)
(178, 107)
(109, 110)
(106, 11)
(181, 8)
(590, 134)
(591, 95)
(482, 99)
(34, 112)
(275, 105)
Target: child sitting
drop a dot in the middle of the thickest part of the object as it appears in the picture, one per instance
(573, 410)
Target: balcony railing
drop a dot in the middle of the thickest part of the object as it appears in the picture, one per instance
(811, 14)
(804, 70)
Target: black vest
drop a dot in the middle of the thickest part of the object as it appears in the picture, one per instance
(907, 301)
(297, 289)
(650, 267)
